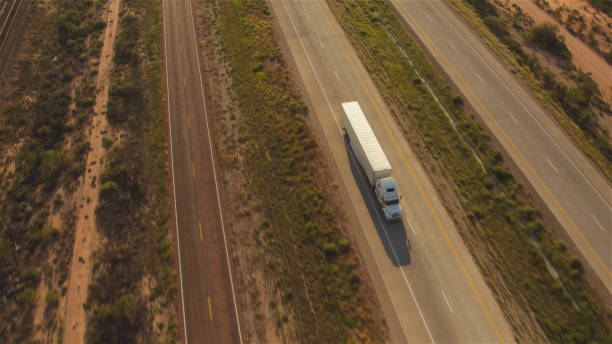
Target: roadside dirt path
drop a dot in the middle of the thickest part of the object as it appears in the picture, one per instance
(583, 56)
(86, 239)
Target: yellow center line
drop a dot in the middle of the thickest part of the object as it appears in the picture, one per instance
(210, 309)
(516, 150)
(184, 81)
(193, 168)
(181, 45)
(188, 122)
(200, 225)
(414, 177)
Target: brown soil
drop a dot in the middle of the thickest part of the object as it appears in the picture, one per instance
(86, 198)
(584, 57)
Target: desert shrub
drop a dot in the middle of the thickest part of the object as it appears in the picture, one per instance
(53, 163)
(546, 36)
(458, 101)
(603, 5)
(497, 25)
(26, 298)
(483, 8)
(118, 321)
(608, 56)
(52, 299)
(126, 51)
(125, 100)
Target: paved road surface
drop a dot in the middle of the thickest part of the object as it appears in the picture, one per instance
(429, 287)
(578, 196)
(208, 308)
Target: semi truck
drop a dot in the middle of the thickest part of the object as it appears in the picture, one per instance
(372, 159)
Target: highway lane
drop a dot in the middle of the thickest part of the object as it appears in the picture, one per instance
(208, 311)
(578, 196)
(429, 287)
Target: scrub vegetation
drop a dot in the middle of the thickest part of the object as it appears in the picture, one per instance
(314, 271)
(133, 290)
(43, 115)
(603, 5)
(567, 93)
(591, 25)
(539, 285)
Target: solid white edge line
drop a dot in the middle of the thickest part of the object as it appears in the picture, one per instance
(360, 179)
(229, 268)
(314, 72)
(178, 240)
(452, 46)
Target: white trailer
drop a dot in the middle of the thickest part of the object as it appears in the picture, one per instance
(372, 158)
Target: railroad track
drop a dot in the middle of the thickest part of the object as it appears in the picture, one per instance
(8, 18)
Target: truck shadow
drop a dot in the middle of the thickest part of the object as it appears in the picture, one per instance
(392, 234)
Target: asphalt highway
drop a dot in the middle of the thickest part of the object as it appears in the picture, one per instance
(427, 283)
(208, 312)
(576, 193)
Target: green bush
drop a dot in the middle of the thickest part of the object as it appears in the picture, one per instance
(52, 299)
(118, 321)
(546, 36)
(331, 250)
(126, 46)
(483, 8)
(26, 298)
(54, 162)
(498, 26)
(107, 142)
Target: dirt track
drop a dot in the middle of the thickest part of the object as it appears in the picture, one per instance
(86, 238)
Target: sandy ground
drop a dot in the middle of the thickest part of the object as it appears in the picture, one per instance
(42, 332)
(583, 56)
(86, 238)
(591, 16)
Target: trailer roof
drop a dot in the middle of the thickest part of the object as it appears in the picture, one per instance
(366, 137)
